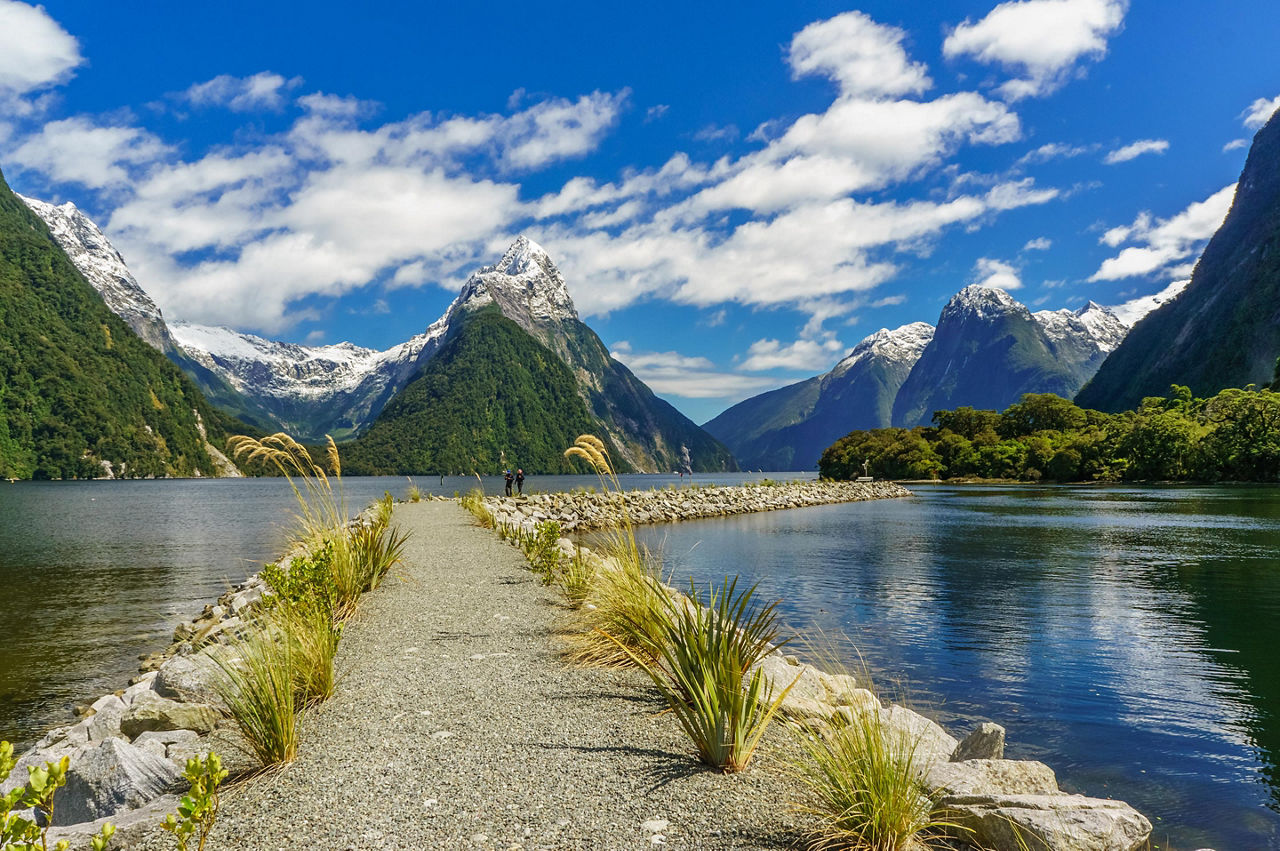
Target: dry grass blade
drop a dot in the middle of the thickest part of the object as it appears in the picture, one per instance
(257, 688)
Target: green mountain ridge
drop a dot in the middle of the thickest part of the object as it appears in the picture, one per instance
(1224, 329)
(81, 395)
(491, 397)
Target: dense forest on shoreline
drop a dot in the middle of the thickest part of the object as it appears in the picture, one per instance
(1233, 436)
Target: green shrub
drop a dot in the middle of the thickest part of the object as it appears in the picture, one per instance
(865, 779)
(258, 688)
(198, 809)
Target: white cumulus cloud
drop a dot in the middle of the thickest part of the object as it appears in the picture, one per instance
(996, 274)
(1165, 245)
(1136, 149)
(1259, 112)
(80, 150)
(35, 51)
(688, 376)
(805, 355)
(264, 90)
(1040, 40)
(864, 57)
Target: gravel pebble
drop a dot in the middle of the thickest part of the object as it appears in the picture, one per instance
(456, 724)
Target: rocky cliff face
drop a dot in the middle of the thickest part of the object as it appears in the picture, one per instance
(1224, 329)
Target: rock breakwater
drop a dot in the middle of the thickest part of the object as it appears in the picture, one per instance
(594, 510)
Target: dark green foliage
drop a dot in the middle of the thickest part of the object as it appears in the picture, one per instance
(491, 389)
(308, 583)
(1222, 331)
(77, 386)
(1234, 436)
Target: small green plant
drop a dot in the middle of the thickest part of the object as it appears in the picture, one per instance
(308, 582)
(542, 548)
(414, 493)
(21, 834)
(198, 809)
(258, 685)
(703, 667)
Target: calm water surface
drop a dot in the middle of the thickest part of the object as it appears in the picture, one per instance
(1128, 637)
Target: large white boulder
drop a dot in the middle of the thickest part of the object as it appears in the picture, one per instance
(1047, 822)
(108, 777)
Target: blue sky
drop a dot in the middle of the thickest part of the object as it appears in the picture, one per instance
(735, 193)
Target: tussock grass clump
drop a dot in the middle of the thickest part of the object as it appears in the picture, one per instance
(702, 665)
(313, 636)
(473, 501)
(574, 577)
(414, 494)
(865, 779)
(258, 688)
(375, 549)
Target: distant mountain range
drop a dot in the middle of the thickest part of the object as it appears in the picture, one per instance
(986, 351)
(1224, 331)
(342, 390)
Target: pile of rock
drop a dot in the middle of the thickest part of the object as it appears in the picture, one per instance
(593, 510)
(995, 802)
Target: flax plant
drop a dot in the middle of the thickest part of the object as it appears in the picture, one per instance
(705, 668)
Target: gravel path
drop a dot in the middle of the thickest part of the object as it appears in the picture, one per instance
(457, 725)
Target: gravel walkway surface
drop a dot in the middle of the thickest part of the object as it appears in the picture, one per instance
(457, 725)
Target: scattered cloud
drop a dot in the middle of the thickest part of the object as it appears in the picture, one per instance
(1259, 112)
(656, 112)
(865, 58)
(996, 274)
(689, 377)
(35, 51)
(263, 91)
(717, 133)
(1165, 246)
(79, 150)
(1135, 150)
(1040, 40)
(1042, 243)
(1054, 151)
(802, 355)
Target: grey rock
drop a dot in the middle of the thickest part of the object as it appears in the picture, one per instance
(985, 742)
(992, 777)
(104, 723)
(930, 743)
(109, 777)
(160, 742)
(153, 712)
(1047, 822)
(131, 827)
(191, 678)
(226, 742)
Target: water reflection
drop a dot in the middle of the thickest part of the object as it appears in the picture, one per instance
(1124, 635)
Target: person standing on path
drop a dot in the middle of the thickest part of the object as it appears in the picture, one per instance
(507, 477)
(520, 481)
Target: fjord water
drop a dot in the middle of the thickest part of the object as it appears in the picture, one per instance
(1128, 637)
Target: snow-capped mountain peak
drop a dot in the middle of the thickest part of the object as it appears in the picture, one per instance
(980, 302)
(525, 283)
(104, 269)
(1093, 323)
(1132, 311)
(901, 345)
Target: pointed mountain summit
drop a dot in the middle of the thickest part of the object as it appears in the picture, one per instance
(1223, 330)
(788, 428)
(526, 286)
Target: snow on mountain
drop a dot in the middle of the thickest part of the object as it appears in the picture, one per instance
(525, 283)
(981, 302)
(1092, 323)
(1131, 311)
(104, 268)
(901, 346)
